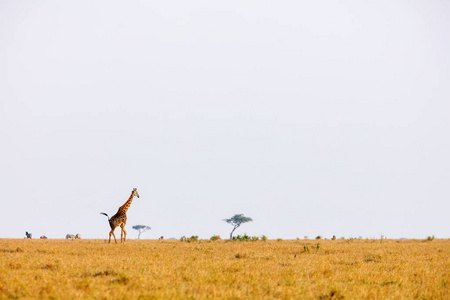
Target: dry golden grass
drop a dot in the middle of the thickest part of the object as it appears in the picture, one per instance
(352, 269)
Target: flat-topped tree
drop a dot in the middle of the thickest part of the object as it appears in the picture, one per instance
(141, 229)
(236, 221)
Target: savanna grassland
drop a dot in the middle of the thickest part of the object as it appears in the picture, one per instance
(305, 269)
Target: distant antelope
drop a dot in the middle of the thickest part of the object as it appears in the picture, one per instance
(78, 236)
(28, 235)
(161, 238)
(120, 218)
(43, 237)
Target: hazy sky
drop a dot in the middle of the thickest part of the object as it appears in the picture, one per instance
(311, 117)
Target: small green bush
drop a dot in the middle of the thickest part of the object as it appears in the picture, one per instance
(215, 238)
(245, 237)
(190, 239)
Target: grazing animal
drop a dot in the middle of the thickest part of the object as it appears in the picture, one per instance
(28, 234)
(120, 218)
(333, 238)
(43, 237)
(161, 238)
(70, 236)
(318, 237)
(78, 236)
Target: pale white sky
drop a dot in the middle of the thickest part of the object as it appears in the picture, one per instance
(311, 117)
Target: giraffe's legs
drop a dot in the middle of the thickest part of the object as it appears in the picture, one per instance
(112, 232)
(123, 233)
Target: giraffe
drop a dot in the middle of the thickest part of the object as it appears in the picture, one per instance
(120, 219)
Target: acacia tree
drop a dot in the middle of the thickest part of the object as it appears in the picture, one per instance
(141, 229)
(236, 221)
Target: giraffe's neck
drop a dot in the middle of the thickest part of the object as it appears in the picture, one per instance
(123, 209)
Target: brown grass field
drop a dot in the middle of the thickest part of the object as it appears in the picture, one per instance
(288, 269)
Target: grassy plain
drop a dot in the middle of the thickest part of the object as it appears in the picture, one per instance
(289, 269)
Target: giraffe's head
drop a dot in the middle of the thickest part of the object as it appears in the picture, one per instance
(135, 193)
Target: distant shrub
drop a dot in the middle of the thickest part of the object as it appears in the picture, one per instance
(189, 239)
(215, 238)
(263, 238)
(245, 237)
(430, 238)
(319, 237)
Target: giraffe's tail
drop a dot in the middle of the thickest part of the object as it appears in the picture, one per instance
(102, 213)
